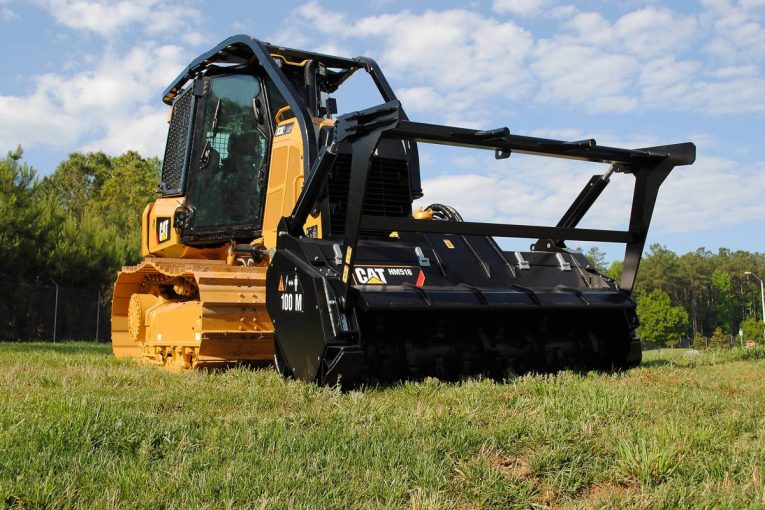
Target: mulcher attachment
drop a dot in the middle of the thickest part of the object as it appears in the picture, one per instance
(392, 297)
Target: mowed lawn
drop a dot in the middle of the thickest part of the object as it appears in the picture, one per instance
(79, 429)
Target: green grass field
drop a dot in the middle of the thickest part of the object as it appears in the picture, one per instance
(79, 429)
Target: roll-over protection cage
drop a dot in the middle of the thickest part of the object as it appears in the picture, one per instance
(243, 49)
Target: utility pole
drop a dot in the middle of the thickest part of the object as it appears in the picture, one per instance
(762, 297)
(55, 310)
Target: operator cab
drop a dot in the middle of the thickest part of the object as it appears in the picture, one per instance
(226, 111)
(220, 165)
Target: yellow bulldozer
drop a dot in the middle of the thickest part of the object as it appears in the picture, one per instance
(286, 233)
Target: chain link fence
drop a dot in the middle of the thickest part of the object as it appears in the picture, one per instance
(43, 311)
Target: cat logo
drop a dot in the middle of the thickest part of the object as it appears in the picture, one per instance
(281, 284)
(370, 276)
(163, 229)
(284, 129)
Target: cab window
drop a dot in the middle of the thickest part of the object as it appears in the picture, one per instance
(227, 190)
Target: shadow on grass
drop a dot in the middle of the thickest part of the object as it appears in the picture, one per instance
(219, 368)
(660, 362)
(504, 378)
(58, 347)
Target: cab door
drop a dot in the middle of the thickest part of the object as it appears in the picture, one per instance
(226, 187)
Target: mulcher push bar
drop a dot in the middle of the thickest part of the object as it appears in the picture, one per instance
(364, 129)
(502, 140)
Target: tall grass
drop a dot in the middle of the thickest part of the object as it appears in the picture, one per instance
(79, 429)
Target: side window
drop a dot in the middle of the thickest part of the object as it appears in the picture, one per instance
(227, 190)
(275, 98)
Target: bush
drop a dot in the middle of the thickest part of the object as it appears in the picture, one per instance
(719, 339)
(699, 341)
(752, 329)
(660, 322)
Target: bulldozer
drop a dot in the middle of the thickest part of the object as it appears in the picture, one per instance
(286, 233)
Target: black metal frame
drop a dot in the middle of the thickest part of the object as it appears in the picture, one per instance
(240, 49)
(181, 187)
(364, 130)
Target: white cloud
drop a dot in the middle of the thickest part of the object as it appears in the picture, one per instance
(423, 99)
(651, 32)
(447, 59)
(107, 17)
(743, 95)
(538, 191)
(737, 31)
(324, 20)
(638, 62)
(665, 81)
(455, 49)
(446, 63)
(591, 28)
(645, 33)
(736, 72)
(713, 193)
(562, 12)
(144, 132)
(519, 7)
(524, 189)
(583, 75)
(309, 19)
(112, 102)
(32, 120)
(6, 13)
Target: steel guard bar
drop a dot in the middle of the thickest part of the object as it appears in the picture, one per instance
(495, 229)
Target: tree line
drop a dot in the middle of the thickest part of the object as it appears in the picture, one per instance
(82, 222)
(700, 297)
(73, 229)
(77, 225)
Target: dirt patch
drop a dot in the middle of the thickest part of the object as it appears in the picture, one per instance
(602, 492)
(547, 497)
(516, 466)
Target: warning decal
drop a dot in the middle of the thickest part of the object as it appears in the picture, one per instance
(387, 275)
(292, 292)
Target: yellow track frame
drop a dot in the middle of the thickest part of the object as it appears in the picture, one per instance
(188, 313)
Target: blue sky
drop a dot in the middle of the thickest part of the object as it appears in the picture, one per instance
(88, 75)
